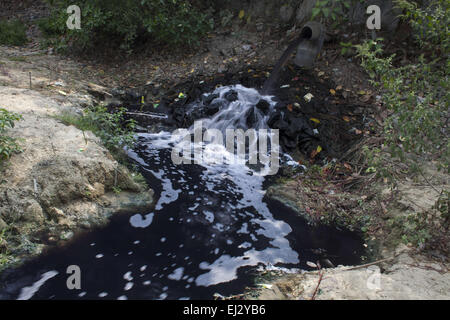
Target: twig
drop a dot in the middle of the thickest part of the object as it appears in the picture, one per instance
(84, 136)
(372, 263)
(146, 115)
(421, 173)
(318, 284)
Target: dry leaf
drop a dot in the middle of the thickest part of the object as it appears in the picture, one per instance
(314, 153)
(366, 98)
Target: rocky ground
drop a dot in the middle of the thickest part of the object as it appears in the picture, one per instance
(399, 272)
(405, 276)
(64, 180)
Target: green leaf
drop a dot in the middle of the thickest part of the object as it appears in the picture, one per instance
(315, 12)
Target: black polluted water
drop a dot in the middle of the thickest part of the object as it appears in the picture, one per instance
(210, 232)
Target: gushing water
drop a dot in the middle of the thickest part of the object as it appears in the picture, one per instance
(234, 114)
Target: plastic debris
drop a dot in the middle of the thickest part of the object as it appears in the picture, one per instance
(265, 285)
(308, 97)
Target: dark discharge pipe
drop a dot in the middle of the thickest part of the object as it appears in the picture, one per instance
(309, 44)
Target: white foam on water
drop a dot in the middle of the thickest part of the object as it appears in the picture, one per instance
(209, 216)
(138, 221)
(177, 274)
(127, 276)
(128, 286)
(169, 194)
(162, 296)
(238, 180)
(28, 292)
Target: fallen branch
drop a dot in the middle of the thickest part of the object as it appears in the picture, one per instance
(146, 115)
(372, 263)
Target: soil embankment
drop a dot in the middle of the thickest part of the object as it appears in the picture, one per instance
(63, 181)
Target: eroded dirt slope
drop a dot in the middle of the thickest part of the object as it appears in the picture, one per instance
(63, 180)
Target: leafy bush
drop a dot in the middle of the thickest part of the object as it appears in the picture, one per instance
(428, 228)
(416, 94)
(8, 145)
(430, 24)
(12, 33)
(330, 9)
(112, 128)
(122, 22)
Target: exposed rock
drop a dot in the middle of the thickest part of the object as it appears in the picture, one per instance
(96, 191)
(212, 109)
(251, 118)
(209, 98)
(263, 105)
(286, 13)
(98, 91)
(405, 277)
(34, 213)
(231, 95)
(305, 10)
(63, 180)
